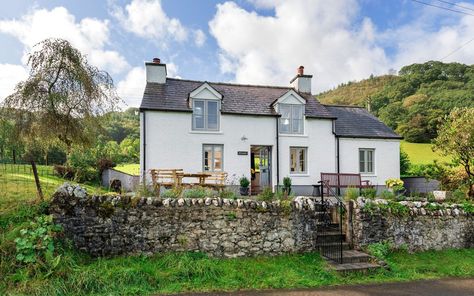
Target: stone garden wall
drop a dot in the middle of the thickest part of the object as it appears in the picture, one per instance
(416, 225)
(112, 225)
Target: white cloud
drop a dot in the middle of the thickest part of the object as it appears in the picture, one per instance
(10, 75)
(147, 19)
(331, 41)
(131, 88)
(199, 38)
(89, 35)
(323, 38)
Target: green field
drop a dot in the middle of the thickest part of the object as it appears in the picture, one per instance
(129, 168)
(79, 274)
(421, 153)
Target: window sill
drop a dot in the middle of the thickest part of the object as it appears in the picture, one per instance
(368, 175)
(206, 132)
(299, 175)
(293, 135)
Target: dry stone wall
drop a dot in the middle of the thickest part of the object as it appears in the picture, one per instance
(113, 225)
(421, 226)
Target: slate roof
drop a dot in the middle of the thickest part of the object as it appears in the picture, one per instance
(237, 98)
(257, 100)
(357, 122)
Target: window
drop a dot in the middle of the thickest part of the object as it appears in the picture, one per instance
(205, 115)
(298, 160)
(366, 161)
(212, 158)
(291, 120)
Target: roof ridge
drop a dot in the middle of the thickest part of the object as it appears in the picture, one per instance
(234, 84)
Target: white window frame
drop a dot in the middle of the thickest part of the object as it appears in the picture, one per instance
(305, 161)
(291, 119)
(212, 158)
(206, 116)
(366, 152)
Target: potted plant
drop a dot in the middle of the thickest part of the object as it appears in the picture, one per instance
(286, 186)
(244, 186)
(395, 185)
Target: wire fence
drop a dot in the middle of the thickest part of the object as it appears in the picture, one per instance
(17, 180)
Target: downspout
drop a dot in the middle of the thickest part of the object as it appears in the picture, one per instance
(338, 162)
(144, 147)
(277, 152)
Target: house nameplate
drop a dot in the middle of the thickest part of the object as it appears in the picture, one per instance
(242, 153)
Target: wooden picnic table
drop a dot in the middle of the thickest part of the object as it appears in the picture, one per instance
(200, 176)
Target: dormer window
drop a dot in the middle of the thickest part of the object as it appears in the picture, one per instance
(292, 118)
(205, 115)
(206, 104)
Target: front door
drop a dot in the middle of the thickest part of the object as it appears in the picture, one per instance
(264, 167)
(261, 168)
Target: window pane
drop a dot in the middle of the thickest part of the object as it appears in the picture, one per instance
(198, 115)
(297, 112)
(302, 161)
(207, 157)
(362, 161)
(212, 114)
(284, 125)
(217, 158)
(293, 160)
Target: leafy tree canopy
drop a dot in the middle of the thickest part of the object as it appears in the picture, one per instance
(414, 102)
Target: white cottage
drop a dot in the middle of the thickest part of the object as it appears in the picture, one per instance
(263, 132)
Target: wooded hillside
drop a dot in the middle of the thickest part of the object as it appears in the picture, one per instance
(414, 102)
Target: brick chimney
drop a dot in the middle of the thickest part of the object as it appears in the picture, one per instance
(155, 71)
(301, 82)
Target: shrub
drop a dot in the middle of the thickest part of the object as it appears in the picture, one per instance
(197, 192)
(393, 183)
(65, 172)
(174, 192)
(36, 243)
(228, 194)
(87, 174)
(351, 194)
(266, 195)
(104, 163)
(468, 207)
(244, 182)
(380, 250)
(287, 185)
(369, 192)
(388, 195)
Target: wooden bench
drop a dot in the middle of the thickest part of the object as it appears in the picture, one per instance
(216, 180)
(338, 181)
(166, 178)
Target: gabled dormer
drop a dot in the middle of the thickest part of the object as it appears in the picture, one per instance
(206, 104)
(291, 107)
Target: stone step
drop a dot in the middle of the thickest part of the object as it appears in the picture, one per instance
(353, 256)
(321, 246)
(330, 237)
(351, 267)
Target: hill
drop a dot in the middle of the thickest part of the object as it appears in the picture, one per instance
(355, 93)
(414, 102)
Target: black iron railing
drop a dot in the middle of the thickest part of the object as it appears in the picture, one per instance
(330, 237)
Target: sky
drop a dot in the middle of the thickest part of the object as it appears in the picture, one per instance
(241, 41)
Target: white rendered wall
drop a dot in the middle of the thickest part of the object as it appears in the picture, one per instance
(171, 143)
(387, 158)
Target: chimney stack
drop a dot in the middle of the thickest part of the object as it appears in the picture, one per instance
(301, 82)
(155, 71)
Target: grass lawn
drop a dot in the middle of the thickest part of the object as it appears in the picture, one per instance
(79, 274)
(421, 153)
(129, 168)
(181, 272)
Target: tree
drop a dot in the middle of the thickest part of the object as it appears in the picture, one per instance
(456, 138)
(61, 100)
(404, 162)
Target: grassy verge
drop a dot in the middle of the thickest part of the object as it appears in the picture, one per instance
(420, 153)
(172, 273)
